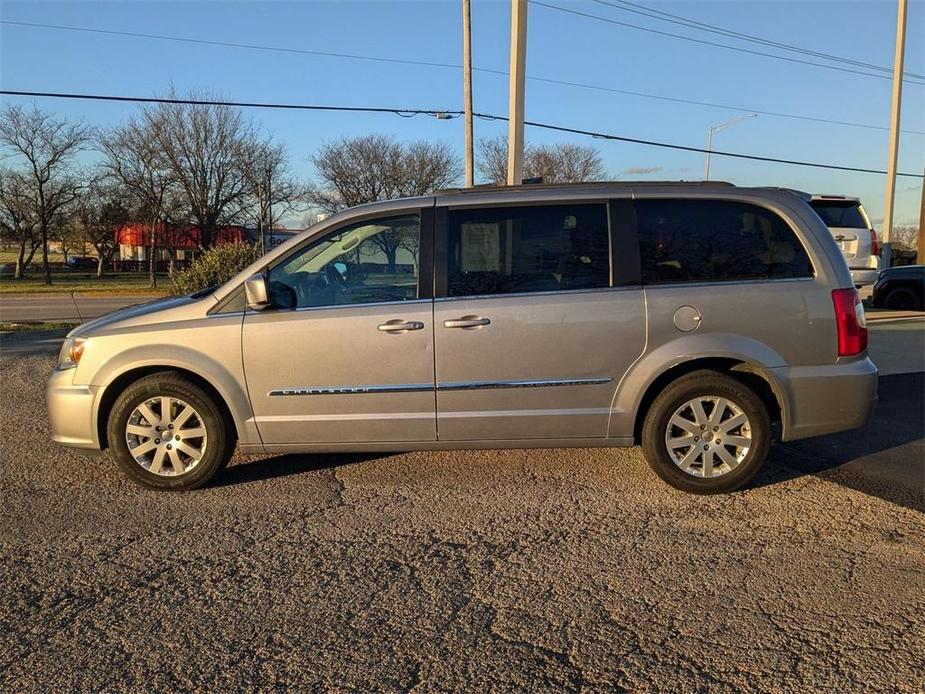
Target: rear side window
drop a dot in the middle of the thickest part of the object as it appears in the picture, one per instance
(511, 250)
(715, 240)
(844, 214)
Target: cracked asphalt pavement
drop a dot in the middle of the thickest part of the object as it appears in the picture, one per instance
(479, 571)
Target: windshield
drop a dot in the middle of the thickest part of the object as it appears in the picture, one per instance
(846, 214)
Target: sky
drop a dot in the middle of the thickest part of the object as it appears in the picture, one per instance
(560, 46)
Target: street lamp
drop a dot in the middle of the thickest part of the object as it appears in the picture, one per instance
(716, 129)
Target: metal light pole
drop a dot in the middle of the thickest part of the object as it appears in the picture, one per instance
(467, 90)
(720, 128)
(887, 235)
(515, 129)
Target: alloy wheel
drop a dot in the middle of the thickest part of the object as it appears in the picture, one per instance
(166, 436)
(708, 436)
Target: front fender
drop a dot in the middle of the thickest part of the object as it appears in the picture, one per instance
(214, 354)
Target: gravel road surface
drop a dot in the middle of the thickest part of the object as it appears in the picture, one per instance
(479, 571)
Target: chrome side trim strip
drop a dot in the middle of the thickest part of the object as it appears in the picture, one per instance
(485, 385)
(370, 416)
(482, 414)
(453, 385)
(353, 390)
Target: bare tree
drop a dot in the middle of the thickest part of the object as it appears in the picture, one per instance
(98, 214)
(133, 158)
(48, 146)
(560, 163)
(17, 220)
(353, 171)
(273, 193)
(69, 235)
(567, 163)
(206, 147)
(904, 237)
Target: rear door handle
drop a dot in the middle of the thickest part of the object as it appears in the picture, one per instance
(466, 322)
(400, 326)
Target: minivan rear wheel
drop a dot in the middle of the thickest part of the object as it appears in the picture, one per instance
(707, 433)
(165, 432)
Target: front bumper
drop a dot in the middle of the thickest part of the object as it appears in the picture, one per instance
(71, 411)
(827, 399)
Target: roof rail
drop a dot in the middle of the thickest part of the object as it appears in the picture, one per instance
(492, 187)
(803, 195)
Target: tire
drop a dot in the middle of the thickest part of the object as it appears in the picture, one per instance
(201, 428)
(902, 299)
(745, 444)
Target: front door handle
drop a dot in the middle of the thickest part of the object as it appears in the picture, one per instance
(466, 322)
(400, 326)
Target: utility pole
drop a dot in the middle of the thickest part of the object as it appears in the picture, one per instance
(920, 243)
(263, 233)
(515, 110)
(887, 235)
(467, 90)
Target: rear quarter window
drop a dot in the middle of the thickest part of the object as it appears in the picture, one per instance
(716, 240)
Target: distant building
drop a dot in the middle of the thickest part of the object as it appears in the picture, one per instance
(178, 245)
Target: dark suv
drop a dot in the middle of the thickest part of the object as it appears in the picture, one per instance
(901, 288)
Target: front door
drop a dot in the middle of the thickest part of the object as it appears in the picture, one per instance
(534, 333)
(345, 353)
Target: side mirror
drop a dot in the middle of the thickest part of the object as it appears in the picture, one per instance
(255, 291)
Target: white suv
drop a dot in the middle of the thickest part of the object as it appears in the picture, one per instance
(848, 221)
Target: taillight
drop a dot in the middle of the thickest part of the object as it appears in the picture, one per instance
(850, 322)
(874, 244)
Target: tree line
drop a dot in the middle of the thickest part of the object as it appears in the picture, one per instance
(205, 165)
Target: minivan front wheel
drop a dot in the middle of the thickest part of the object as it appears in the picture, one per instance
(165, 432)
(706, 433)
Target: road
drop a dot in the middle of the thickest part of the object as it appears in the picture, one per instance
(64, 307)
(542, 570)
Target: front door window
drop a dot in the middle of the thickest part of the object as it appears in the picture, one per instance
(370, 262)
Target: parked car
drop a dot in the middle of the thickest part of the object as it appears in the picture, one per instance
(848, 221)
(901, 288)
(82, 262)
(700, 320)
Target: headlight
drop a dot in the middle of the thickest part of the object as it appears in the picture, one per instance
(71, 352)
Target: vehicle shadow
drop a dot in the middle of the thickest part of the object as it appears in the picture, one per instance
(271, 467)
(885, 459)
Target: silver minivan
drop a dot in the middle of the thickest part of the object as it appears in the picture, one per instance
(703, 321)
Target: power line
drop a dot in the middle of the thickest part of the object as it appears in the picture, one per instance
(231, 44)
(453, 113)
(663, 16)
(714, 152)
(503, 73)
(405, 112)
(728, 107)
(713, 43)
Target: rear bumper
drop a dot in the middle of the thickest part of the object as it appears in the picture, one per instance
(70, 411)
(827, 399)
(863, 278)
